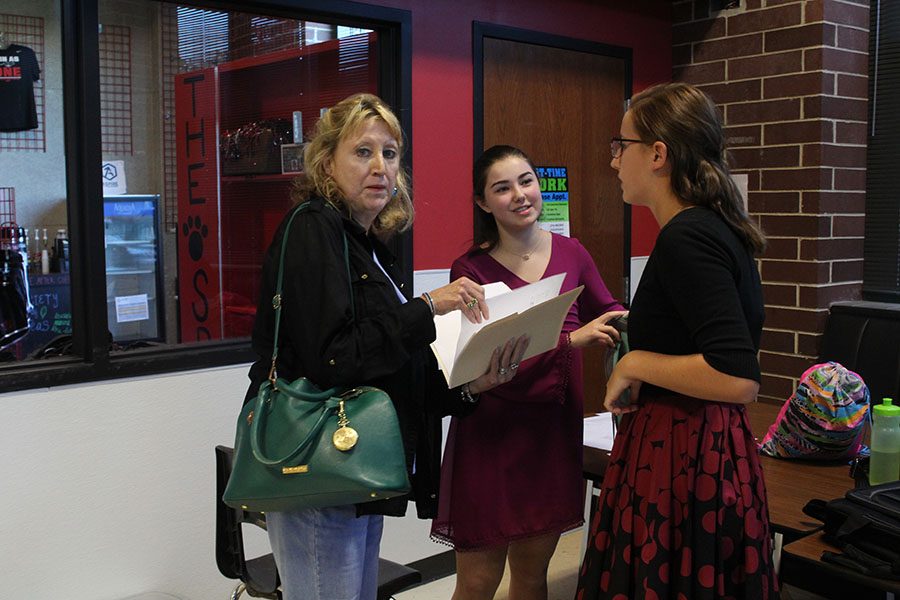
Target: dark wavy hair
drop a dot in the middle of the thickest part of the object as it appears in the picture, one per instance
(486, 234)
(687, 122)
(339, 121)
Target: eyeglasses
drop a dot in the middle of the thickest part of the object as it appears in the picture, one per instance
(617, 145)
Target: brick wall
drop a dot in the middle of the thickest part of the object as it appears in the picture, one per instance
(791, 78)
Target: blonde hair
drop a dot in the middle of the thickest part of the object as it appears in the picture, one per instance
(686, 120)
(341, 120)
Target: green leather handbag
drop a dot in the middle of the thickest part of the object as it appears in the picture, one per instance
(297, 446)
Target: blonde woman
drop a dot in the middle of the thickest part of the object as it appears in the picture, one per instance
(357, 190)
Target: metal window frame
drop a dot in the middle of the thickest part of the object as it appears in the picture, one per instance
(92, 359)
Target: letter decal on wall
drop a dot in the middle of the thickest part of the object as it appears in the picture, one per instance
(199, 273)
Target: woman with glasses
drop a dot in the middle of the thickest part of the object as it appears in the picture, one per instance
(682, 512)
(511, 477)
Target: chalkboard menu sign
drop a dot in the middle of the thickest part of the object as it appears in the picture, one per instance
(51, 298)
(51, 313)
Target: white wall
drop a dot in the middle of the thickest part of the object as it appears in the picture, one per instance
(108, 490)
(637, 269)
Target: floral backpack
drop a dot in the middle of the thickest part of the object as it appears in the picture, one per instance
(823, 419)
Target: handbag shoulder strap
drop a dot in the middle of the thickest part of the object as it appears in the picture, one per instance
(276, 299)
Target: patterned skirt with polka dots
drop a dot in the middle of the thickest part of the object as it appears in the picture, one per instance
(682, 512)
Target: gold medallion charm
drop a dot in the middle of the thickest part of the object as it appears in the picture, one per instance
(345, 437)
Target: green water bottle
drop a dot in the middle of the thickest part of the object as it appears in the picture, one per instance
(884, 465)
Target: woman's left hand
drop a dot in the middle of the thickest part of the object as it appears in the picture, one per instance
(620, 383)
(504, 364)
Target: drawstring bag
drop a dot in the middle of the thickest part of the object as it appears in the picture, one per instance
(823, 419)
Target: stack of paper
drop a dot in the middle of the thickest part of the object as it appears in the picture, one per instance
(463, 349)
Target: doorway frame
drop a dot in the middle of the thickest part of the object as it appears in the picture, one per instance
(482, 30)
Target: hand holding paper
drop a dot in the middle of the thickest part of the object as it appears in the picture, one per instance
(503, 367)
(464, 349)
(462, 294)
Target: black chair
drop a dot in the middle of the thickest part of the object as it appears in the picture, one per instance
(394, 577)
(259, 576)
(863, 336)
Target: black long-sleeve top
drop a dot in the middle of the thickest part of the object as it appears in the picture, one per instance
(385, 345)
(700, 292)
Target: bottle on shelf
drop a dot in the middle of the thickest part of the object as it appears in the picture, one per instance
(45, 256)
(60, 259)
(36, 253)
(23, 247)
(884, 464)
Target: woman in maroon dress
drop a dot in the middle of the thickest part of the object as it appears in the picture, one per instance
(511, 477)
(682, 512)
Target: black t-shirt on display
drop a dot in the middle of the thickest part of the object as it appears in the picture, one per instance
(18, 72)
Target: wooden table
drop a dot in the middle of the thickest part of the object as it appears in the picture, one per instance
(594, 464)
(801, 565)
(791, 483)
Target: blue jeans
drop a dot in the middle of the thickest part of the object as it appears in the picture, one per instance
(326, 553)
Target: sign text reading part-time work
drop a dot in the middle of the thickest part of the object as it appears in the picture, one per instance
(555, 195)
(554, 183)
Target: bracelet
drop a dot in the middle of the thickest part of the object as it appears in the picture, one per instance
(466, 394)
(427, 298)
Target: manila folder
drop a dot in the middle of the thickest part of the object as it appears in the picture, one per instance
(542, 322)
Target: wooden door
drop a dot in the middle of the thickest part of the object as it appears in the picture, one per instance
(561, 106)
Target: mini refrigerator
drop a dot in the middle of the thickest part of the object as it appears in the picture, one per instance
(133, 267)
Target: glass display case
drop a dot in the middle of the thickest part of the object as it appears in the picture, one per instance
(133, 267)
(231, 201)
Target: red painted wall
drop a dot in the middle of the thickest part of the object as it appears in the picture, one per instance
(442, 96)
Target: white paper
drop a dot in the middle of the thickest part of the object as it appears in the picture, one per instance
(504, 302)
(462, 358)
(599, 431)
(132, 308)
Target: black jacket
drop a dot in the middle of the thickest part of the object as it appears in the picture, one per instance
(385, 345)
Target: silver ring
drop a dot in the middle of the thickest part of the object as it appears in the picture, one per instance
(513, 366)
(502, 371)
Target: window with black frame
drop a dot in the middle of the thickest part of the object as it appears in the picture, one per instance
(881, 248)
(203, 113)
(233, 95)
(35, 292)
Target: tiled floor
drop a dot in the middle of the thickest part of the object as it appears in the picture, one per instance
(562, 580)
